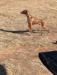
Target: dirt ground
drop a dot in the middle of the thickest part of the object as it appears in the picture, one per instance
(19, 49)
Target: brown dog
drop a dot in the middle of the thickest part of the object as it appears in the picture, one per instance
(33, 20)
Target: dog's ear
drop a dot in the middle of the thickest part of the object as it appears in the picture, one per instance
(24, 12)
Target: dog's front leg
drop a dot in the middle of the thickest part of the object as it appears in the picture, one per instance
(30, 27)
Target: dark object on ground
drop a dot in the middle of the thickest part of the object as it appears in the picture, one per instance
(49, 59)
(2, 70)
(55, 42)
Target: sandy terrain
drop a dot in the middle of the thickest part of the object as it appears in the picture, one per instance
(19, 49)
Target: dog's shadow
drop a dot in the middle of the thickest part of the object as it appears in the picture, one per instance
(25, 32)
(19, 31)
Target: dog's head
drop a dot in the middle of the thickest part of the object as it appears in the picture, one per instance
(24, 12)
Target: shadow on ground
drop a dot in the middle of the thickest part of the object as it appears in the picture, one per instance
(26, 32)
(23, 31)
(19, 31)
